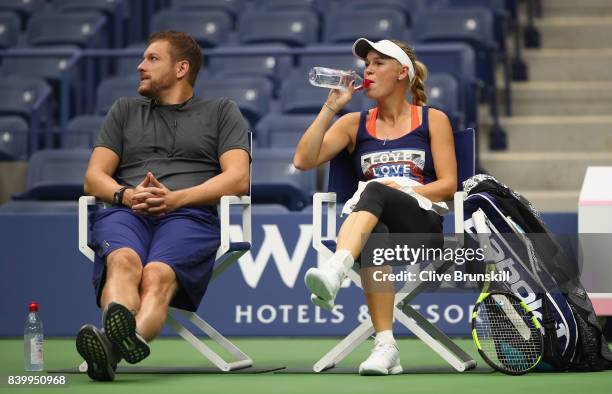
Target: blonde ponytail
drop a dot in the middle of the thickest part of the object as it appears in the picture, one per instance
(419, 97)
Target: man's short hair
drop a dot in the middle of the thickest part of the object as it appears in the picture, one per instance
(182, 47)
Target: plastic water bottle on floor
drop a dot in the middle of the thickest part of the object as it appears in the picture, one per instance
(33, 340)
(334, 79)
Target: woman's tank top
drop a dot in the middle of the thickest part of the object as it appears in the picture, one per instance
(406, 156)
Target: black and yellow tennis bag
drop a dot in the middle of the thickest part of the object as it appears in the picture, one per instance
(540, 273)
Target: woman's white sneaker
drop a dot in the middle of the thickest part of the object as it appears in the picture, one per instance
(325, 283)
(384, 360)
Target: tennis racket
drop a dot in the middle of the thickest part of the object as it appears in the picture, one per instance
(506, 333)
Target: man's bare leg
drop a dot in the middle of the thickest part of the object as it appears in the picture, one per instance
(123, 276)
(157, 288)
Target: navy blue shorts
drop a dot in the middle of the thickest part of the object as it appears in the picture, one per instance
(186, 239)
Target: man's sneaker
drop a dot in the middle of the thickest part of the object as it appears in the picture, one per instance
(325, 283)
(384, 360)
(120, 328)
(321, 303)
(97, 351)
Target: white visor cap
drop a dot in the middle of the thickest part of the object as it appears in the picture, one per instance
(362, 46)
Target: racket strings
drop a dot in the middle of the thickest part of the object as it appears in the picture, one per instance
(507, 335)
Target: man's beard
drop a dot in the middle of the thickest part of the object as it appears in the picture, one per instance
(154, 88)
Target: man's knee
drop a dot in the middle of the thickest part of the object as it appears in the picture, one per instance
(158, 278)
(125, 262)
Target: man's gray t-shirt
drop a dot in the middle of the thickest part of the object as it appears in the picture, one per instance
(180, 144)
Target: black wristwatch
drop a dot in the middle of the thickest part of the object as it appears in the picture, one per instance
(118, 197)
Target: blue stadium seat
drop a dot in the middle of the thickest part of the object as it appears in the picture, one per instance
(56, 174)
(29, 98)
(282, 131)
(21, 7)
(251, 94)
(295, 28)
(473, 26)
(442, 91)
(113, 88)
(276, 181)
(345, 26)
(406, 7)
(83, 29)
(458, 60)
(285, 5)
(233, 7)
(298, 96)
(114, 9)
(13, 138)
(341, 59)
(274, 67)
(82, 131)
(60, 66)
(208, 28)
(127, 65)
(9, 29)
(498, 7)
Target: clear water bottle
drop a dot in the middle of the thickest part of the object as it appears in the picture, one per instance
(334, 79)
(33, 340)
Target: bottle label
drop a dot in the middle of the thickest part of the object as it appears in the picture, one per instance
(36, 350)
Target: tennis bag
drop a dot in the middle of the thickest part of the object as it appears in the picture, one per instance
(540, 273)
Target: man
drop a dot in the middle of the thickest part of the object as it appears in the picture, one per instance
(163, 161)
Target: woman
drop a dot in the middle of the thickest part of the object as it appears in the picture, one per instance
(420, 142)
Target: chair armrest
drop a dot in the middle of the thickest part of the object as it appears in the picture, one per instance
(317, 214)
(458, 209)
(84, 203)
(224, 217)
(483, 234)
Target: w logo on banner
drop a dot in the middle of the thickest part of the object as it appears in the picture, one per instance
(273, 247)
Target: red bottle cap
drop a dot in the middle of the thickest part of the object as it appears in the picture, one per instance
(33, 306)
(366, 83)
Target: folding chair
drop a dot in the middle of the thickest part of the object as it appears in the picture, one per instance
(342, 184)
(228, 253)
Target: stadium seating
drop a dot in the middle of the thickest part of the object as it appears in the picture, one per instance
(9, 29)
(21, 7)
(83, 29)
(345, 26)
(338, 57)
(113, 88)
(458, 60)
(274, 66)
(56, 174)
(13, 138)
(405, 7)
(298, 96)
(442, 91)
(252, 94)
(232, 7)
(294, 28)
(81, 131)
(282, 131)
(59, 66)
(208, 28)
(29, 98)
(286, 5)
(114, 9)
(276, 181)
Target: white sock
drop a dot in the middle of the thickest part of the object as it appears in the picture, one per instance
(343, 257)
(385, 336)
